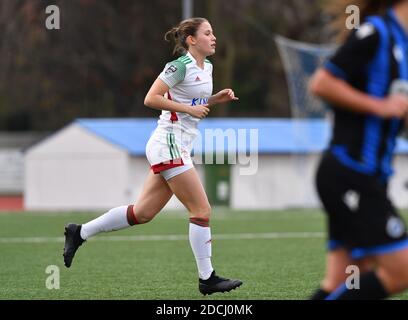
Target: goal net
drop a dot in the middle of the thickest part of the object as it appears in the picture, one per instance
(300, 60)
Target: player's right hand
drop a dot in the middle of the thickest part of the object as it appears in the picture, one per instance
(200, 111)
(395, 106)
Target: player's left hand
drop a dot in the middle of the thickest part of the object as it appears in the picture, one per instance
(225, 95)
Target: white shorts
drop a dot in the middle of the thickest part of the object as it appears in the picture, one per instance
(171, 173)
(165, 152)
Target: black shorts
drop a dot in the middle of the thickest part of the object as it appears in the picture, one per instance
(361, 217)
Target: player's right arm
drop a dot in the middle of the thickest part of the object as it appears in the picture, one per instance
(173, 74)
(340, 93)
(331, 82)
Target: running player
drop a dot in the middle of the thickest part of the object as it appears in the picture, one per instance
(183, 91)
(364, 228)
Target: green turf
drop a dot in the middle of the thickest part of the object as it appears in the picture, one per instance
(270, 268)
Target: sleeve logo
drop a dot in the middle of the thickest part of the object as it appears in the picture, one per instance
(171, 69)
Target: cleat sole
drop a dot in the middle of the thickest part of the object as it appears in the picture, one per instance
(234, 288)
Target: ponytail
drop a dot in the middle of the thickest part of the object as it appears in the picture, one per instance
(178, 35)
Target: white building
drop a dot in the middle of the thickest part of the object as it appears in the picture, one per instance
(12, 145)
(99, 164)
(88, 165)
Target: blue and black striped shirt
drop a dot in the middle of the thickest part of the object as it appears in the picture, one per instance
(371, 59)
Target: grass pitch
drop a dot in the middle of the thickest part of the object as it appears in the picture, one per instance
(278, 255)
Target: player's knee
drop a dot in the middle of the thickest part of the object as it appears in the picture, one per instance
(396, 280)
(201, 216)
(141, 216)
(144, 217)
(203, 212)
(400, 279)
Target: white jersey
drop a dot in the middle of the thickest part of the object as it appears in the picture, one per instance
(190, 85)
(171, 143)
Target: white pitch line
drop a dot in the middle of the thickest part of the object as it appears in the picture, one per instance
(173, 237)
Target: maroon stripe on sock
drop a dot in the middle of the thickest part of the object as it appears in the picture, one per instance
(130, 215)
(202, 222)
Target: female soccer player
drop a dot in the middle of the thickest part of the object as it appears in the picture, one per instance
(183, 91)
(361, 83)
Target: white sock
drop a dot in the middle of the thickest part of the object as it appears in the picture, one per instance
(200, 241)
(114, 219)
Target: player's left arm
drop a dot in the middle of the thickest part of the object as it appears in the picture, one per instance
(223, 96)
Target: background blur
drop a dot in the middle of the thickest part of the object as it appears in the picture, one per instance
(73, 130)
(107, 54)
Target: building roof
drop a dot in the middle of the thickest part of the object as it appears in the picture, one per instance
(267, 136)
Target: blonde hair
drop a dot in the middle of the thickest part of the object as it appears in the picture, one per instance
(180, 33)
(337, 9)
